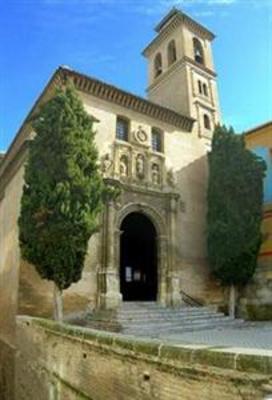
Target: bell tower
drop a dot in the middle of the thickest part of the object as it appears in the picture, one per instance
(181, 73)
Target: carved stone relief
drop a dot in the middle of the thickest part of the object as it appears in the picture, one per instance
(140, 135)
(156, 176)
(107, 164)
(138, 165)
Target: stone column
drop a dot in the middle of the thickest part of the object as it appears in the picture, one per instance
(162, 269)
(174, 279)
(111, 297)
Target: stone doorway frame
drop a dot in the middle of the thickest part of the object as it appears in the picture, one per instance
(108, 294)
(161, 238)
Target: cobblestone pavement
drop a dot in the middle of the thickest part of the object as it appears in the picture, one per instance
(254, 335)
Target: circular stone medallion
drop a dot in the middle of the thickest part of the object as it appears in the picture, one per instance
(140, 135)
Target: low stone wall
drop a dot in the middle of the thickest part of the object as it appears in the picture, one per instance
(256, 299)
(7, 359)
(63, 362)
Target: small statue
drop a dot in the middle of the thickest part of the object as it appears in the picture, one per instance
(155, 174)
(140, 166)
(106, 164)
(123, 166)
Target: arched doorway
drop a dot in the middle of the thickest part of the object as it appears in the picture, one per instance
(138, 258)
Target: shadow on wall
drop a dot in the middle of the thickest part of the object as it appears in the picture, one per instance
(195, 277)
(36, 295)
(7, 370)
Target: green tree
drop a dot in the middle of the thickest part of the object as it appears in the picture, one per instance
(63, 192)
(235, 198)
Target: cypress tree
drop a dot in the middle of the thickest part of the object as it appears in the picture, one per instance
(62, 194)
(235, 198)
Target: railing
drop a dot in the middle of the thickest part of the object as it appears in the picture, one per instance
(190, 301)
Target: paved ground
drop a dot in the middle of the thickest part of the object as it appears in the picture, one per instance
(254, 335)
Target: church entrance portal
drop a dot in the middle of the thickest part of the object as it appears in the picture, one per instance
(138, 258)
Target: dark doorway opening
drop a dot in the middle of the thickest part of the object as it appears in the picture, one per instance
(138, 258)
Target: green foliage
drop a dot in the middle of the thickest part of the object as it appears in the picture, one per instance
(63, 191)
(235, 197)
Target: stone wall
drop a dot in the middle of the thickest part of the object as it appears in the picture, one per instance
(7, 368)
(63, 362)
(9, 270)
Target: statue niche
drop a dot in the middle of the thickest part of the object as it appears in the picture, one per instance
(107, 165)
(140, 166)
(123, 166)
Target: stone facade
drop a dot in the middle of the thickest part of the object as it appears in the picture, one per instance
(257, 298)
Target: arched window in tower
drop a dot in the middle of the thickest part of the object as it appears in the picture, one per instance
(198, 51)
(205, 89)
(171, 52)
(158, 65)
(207, 122)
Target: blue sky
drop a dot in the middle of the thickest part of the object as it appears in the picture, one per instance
(104, 38)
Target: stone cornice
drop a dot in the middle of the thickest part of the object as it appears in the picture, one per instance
(205, 105)
(127, 100)
(181, 63)
(166, 73)
(147, 190)
(173, 19)
(184, 17)
(199, 67)
(160, 38)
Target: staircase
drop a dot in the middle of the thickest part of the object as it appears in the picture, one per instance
(152, 320)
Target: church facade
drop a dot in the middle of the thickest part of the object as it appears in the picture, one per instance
(152, 244)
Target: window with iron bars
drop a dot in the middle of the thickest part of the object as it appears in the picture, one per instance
(156, 140)
(122, 127)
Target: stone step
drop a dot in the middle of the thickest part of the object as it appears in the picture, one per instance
(152, 319)
(171, 315)
(147, 316)
(176, 330)
(174, 321)
(192, 322)
(141, 304)
(164, 312)
(155, 306)
(170, 318)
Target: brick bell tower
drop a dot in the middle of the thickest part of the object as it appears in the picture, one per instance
(181, 74)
